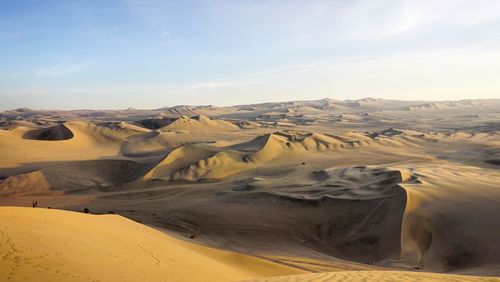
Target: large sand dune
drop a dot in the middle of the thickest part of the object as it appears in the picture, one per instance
(53, 245)
(322, 185)
(199, 123)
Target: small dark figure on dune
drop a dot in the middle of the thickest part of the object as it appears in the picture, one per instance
(86, 210)
(34, 204)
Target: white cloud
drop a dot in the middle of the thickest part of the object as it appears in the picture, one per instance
(367, 19)
(63, 69)
(122, 89)
(165, 33)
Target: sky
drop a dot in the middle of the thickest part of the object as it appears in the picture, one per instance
(117, 54)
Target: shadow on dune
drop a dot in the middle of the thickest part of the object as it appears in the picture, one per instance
(49, 178)
(353, 213)
(54, 133)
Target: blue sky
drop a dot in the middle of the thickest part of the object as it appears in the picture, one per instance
(149, 54)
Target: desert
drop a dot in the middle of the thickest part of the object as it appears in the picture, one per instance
(263, 140)
(395, 188)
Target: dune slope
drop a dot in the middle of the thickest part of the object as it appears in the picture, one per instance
(451, 220)
(66, 246)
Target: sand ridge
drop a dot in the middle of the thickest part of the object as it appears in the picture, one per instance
(199, 122)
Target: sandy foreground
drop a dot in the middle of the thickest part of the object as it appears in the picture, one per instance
(374, 276)
(55, 245)
(309, 190)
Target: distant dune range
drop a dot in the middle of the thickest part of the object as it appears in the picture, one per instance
(360, 185)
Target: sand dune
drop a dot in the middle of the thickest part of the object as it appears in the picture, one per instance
(187, 110)
(55, 133)
(198, 123)
(125, 127)
(195, 162)
(55, 245)
(443, 105)
(444, 233)
(25, 183)
(156, 123)
(66, 176)
(95, 141)
(178, 159)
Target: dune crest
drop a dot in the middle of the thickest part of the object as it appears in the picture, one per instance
(201, 123)
(25, 183)
(196, 123)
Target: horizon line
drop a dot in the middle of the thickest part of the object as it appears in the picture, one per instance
(238, 105)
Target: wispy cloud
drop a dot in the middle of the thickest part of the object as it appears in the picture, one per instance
(165, 33)
(261, 76)
(211, 85)
(368, 20)
(111, 89)
(156, 88)
(122, 89)
(63, 69)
